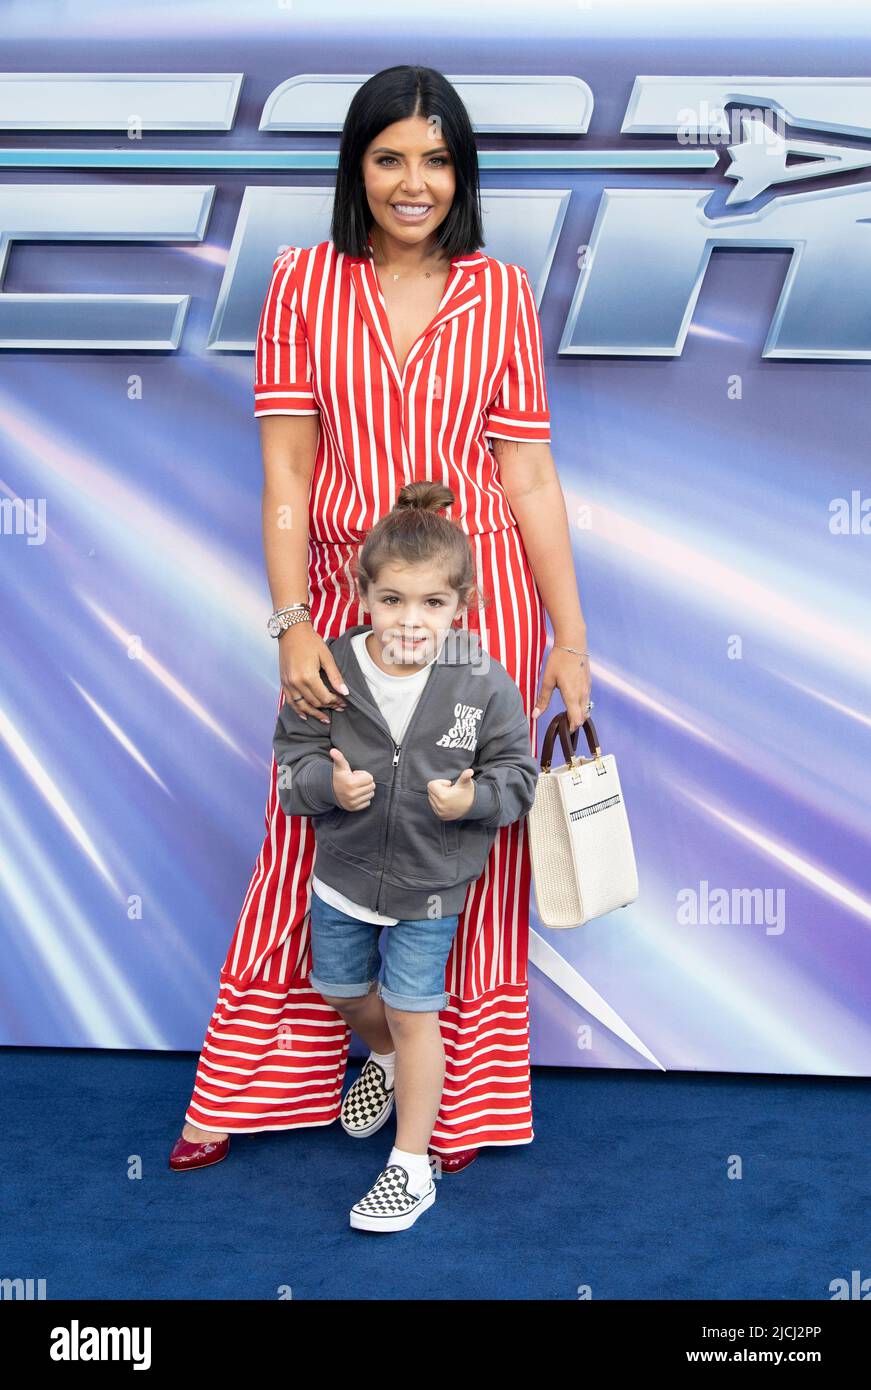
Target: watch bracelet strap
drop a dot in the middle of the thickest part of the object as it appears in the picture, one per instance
(289, 608)
(285, 618)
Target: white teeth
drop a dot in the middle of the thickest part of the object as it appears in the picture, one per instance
(411, 210)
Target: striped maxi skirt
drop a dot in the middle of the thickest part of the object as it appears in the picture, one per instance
(275, 1052)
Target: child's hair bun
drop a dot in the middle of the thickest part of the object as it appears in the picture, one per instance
(425, 496)
(414, 532)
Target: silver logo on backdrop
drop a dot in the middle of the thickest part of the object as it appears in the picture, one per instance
(638, 280)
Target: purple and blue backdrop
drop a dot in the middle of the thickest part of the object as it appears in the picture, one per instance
(698, 238)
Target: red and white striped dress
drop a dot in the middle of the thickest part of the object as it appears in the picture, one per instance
(275, 1052)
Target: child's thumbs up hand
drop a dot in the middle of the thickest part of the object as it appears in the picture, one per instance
(452, 800)
(353, 790)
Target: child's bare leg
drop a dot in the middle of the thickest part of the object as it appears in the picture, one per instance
(365, 1014)
(420, 1075)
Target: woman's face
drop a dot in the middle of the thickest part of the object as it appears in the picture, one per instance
(407, 165)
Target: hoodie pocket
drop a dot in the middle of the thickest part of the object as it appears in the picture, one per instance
(450, 836)
(355, 835)
(423, 849)
(477, 841)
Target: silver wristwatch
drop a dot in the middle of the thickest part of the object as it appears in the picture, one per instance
(283, 618)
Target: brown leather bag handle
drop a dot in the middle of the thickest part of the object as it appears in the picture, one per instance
(560, 724)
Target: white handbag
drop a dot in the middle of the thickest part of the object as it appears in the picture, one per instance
(583, 861)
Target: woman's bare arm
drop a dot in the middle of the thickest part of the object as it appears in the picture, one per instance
(528, 475)
(289, 445)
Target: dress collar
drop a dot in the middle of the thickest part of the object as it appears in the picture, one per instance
(463, 290)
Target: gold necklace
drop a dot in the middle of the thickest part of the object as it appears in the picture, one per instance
(404, 275)
(427, 274)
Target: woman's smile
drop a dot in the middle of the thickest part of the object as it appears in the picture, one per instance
(411, 212)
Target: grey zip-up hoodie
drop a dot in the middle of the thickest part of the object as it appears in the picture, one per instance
(397, 856)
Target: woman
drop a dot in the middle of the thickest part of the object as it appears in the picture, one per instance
(387, 354)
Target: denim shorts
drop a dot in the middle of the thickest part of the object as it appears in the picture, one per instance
(346, 959)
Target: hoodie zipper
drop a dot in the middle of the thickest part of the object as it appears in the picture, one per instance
(397, 749)
(358, 703)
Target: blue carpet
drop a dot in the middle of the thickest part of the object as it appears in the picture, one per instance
(624, 1189)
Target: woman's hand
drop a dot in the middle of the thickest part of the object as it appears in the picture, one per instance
(301, 654)
(571, 675)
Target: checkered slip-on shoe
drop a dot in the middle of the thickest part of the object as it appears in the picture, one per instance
(388, 1205)
(368, 1103)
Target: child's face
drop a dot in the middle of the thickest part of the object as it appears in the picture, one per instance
(412, 608)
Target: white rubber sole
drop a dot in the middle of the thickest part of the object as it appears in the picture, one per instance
(370, 1129)
(361, 1222)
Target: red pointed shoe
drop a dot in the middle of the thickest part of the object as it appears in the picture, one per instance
(186, 1154)
(455, 1162)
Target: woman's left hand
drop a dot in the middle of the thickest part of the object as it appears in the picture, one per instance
(569, 674)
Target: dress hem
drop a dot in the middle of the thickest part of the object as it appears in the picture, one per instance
(314, 1124)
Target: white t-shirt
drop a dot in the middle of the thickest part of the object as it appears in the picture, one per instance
(396, 697)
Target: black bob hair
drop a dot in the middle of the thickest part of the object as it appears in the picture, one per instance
(391, 95)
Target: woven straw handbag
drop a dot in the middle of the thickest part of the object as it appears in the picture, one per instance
(583, 861)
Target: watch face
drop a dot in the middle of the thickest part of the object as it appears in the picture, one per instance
(274, 627)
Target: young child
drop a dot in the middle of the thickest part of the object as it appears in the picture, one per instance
(406, 787)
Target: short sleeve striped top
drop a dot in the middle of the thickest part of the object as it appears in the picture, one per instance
(324, 347)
